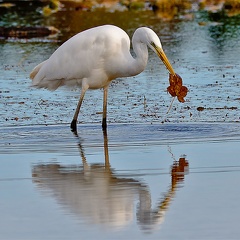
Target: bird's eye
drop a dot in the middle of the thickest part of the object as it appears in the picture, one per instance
(153, 44)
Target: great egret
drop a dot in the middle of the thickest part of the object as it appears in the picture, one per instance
(93, 58)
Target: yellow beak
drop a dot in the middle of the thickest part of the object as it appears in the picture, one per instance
(164, 58)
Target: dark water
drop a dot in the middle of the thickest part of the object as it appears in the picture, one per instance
(144, 179)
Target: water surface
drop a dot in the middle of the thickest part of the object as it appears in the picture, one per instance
(202, 48)
(154, 175)
(171, 185)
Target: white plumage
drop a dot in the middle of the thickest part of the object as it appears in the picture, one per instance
(93, 58)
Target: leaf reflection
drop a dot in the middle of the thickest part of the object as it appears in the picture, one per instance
(99, 195)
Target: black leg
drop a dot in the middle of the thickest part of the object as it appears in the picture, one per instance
(104, 117)
(74, 125)
(104, 124)
(74, 121)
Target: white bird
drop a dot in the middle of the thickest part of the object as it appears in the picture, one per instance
(93, 58)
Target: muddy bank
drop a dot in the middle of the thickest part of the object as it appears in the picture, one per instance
(230, 6)
(27, 32)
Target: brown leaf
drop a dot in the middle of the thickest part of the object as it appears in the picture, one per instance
(176, 89)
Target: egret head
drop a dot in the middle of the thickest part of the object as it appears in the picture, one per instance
(148, 36)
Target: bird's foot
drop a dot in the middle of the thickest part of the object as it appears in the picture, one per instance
(104, 124)
(74, 125)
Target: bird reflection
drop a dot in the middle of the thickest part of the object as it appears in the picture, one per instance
(148, 217)
(100, 196)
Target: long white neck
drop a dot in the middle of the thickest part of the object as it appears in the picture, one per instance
(135, 65)
(142, 38)
(140, 61)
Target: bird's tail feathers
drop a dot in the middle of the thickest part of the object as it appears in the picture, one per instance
(44, 78)
(36, 70)
(39, 81)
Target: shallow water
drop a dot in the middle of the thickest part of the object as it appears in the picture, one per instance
(202, 48)
(144, 181)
